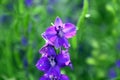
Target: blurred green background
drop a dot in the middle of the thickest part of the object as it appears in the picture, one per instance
(95, 50)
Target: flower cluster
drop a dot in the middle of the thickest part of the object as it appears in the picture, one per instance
(55, 53)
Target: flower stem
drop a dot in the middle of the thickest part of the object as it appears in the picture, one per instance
(80, 26)
(82, 16)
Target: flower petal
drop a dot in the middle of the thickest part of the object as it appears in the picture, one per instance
(65, 42)
(64, 77)
(56, 43)
(61, 41)
(47, 49)
(69, 30)
(43, 64)
(118, 63)
(54, 71)
(63, 59)
(50, 34)
(112, 73)
(58, 22)
(44, 78)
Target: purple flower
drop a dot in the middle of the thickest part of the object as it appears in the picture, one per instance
(54, 77)
(64, 59)
(118, 63)
(24, 41)
(46, 63)
(59, 33)
(112, 74)
(56, 38)
(47, 49)
(51, 60)
(28, 2)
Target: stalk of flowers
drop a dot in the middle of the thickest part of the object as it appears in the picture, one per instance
(55, 53)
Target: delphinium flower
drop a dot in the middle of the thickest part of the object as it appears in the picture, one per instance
(24, 41)
(118, 63)
(58, 33)
(55, 53)
(28, 2)
(112, 74)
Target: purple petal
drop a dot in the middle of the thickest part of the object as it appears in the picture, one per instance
(51, 30)
(50, 34)
(69, 30)
(118, 63)
(70, 65)
(61, 42)
(63, 59)
(43, 64)
(112, 73)
(64, 77)
(65, 43)
(24, 41)
(44, 78)
(28, 2)
(47, 49)
(56, 43)
(58, 22)
(54, 71)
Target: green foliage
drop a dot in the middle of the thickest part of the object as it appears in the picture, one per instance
(94, 50)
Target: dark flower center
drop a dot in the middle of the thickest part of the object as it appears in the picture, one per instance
(59, 31)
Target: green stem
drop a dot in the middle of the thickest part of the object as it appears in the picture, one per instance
(80, 26)
(81, 21)
(82, 16)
